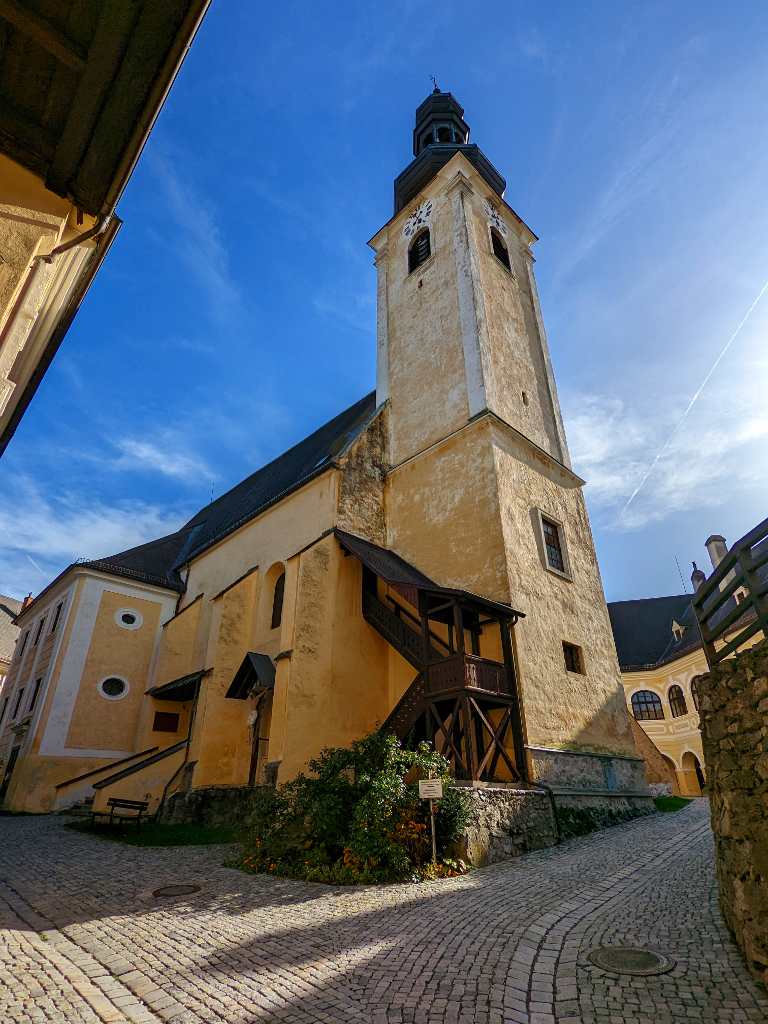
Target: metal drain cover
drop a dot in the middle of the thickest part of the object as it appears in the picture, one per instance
(620, 960)
(176, 890)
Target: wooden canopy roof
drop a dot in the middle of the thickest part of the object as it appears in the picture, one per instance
(81, 83)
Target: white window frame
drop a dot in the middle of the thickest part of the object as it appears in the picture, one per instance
(568, 574)
(119, 696)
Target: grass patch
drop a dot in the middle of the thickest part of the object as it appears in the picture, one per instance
(670, 803)
(154, 834)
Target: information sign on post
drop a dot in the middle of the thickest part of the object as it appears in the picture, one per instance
(431, 789)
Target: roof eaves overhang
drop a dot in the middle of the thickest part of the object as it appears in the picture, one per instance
(410, 591)
(183, 689)
(256, 673)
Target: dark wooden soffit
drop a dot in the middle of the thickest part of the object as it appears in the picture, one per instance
(183, 689)
(81, 83)
(407, 581)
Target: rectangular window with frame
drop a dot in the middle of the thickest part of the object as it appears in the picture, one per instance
(554, 546)
(39, 632)
(35, 694)
(56, 617)
(5, 708)
(574, 661)
(23, 643)
(19, 699)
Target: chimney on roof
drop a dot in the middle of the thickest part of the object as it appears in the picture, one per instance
(697, 577)
(717, 549)
(26, 602)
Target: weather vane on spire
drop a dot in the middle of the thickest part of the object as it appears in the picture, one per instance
(432, 80)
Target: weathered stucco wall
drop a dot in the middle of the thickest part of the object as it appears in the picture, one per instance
(734, 725)
(562, 709)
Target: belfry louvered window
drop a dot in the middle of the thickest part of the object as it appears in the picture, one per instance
(646, 706)
(420, 251)
(500, 250)
(677, 703)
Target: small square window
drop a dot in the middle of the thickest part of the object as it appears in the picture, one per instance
(573, 659)
(165, 721)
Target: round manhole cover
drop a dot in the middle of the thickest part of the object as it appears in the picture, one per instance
(176, 890)
(631, 961)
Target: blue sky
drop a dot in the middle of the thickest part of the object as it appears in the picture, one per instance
(236, 310)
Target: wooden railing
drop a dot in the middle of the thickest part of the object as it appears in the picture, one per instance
(460, 671)
(749, 616)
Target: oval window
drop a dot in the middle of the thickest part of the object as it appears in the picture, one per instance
(128, 618)
(113, 687)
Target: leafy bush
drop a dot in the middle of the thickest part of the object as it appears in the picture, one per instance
(357, 818)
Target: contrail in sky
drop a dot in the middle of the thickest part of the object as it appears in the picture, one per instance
(690, 406)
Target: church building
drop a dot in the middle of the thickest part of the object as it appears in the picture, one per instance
(423, 562)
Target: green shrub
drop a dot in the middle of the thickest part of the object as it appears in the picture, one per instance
(357, 817)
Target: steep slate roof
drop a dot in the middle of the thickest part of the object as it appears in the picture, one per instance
(9, 609)
(268, 485)
(152, 561)
(158, 561)
(642, 629)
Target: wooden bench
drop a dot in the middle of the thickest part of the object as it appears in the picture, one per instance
(122, 810)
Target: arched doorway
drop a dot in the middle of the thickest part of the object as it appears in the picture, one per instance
(693, 774)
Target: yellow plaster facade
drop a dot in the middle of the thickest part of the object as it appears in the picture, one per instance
(678, 739)
(449, 474)
(34, 293)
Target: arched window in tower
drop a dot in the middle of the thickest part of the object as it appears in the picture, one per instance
(500, 250)
(427, 140)
(695, 691)
(277, 601)
(444, 133)
(646, 706)
(677, 703)
(420, 251)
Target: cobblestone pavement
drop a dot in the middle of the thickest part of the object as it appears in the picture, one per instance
(84, 940)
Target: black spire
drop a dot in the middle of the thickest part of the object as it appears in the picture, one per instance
(440, 133)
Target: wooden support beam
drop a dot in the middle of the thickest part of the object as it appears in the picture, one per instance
(37, 28)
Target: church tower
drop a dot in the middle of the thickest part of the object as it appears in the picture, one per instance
(480, 493)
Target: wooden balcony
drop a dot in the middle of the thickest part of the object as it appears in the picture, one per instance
(468, 671)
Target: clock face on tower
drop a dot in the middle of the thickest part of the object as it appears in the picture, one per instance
(418, 219)
(493, 217)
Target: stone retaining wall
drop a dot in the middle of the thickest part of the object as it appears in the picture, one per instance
(734, 730)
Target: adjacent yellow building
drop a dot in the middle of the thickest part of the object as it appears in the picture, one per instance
(424, 560)
(662, 657)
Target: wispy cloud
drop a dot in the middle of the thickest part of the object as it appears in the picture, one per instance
(711, 456)
(40, 536)
(198, 240)
(144, 455)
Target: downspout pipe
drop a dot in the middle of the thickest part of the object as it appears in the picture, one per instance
(98, 229)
